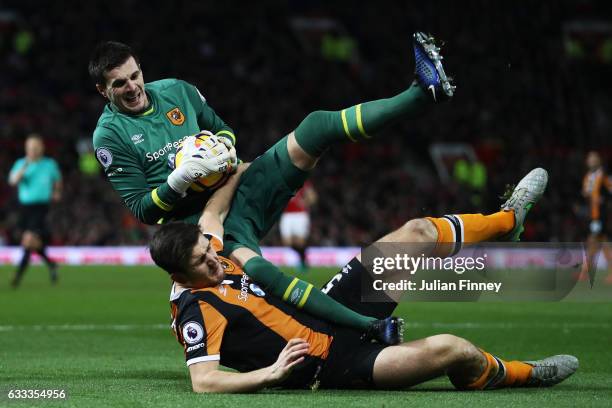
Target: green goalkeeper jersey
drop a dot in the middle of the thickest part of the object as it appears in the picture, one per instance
(136, 150)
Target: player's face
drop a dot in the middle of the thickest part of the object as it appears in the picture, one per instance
(593, 160)
(124, 87)
(205, 268)
(34, 148)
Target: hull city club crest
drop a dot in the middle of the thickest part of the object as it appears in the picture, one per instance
(176, 117)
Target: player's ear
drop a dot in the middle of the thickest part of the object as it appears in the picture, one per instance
(101, 90)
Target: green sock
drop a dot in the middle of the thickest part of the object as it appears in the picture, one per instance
(321, 129)
(303, 295)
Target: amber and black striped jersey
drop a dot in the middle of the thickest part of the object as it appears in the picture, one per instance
(239, 325)
(596, 187)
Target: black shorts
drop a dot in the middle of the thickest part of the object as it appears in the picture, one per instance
(347, 287)
(33, 217)
(350, 363)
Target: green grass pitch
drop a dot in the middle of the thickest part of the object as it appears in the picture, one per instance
(103, 336)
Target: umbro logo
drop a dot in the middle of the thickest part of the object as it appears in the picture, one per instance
(137, 138)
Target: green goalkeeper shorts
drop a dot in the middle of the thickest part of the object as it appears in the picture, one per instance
(263, 193)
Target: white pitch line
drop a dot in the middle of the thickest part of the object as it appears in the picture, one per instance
(507, 326)
(84, 327)
(414, 325)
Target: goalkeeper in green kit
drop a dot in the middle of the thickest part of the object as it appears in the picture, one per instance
(139, 131)
(140, 174)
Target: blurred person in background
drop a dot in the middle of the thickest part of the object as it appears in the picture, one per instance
(295, 222)
(39, 182)
(596, 187)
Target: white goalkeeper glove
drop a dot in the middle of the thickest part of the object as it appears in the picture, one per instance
(595, 227)
(213, 157)
(233, 162)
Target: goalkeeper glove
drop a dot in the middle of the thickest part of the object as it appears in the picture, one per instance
(199, 162)
(233, 162)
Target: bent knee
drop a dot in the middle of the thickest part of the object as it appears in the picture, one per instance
(299, 157)
(453, 348)
(420, 230)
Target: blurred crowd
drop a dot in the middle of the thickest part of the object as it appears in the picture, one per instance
(521, 101)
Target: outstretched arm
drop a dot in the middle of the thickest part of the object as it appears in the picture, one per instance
(206, 376)
(219, 204)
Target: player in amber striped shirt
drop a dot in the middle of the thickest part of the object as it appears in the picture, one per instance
(596, 188)
(221, 317)
(229, 320)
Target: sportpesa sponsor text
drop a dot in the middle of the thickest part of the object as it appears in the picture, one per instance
(170, 146)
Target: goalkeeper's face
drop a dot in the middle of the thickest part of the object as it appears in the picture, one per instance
(124, 87)
(205, 269)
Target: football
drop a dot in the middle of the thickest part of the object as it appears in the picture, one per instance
(210, 182)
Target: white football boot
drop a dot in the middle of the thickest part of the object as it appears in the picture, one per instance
(551, 370)
(524, 196)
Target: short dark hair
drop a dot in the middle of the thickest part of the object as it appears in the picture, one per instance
(34, 135)
(106, 56)
(172, 245)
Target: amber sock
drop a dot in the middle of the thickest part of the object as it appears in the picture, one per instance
(491, 370)
(499, 373)
(517, 374)
(454, 230)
